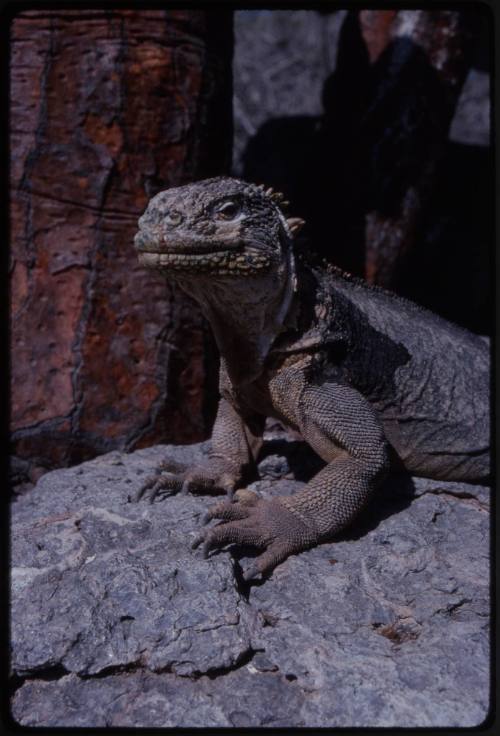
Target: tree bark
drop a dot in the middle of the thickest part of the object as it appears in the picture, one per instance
(418, 68)
(107, 108)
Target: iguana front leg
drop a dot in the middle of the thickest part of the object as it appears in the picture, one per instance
(235, 443)
(343, 428)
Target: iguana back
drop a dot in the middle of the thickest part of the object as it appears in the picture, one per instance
(428, 378)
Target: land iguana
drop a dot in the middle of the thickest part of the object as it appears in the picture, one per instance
(370, 380)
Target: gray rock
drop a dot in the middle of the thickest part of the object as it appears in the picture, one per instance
(117, 622)
(281, 61)
(471, 121)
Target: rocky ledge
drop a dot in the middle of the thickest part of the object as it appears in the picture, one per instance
(117, 622)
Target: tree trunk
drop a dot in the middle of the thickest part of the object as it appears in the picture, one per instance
(418, 66)
(107, 108)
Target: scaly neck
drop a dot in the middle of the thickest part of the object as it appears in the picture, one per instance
(246, 315)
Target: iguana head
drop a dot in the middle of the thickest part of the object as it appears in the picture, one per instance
(227, 244)
(218, 227)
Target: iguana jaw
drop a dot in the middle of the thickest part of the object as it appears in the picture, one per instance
(218, 261)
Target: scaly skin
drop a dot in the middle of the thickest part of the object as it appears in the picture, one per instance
(370, 380)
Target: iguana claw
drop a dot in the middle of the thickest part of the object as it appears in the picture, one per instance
(159, 485)
(265, 524)
(172, 478)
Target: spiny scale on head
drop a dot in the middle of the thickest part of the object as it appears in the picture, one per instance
(277, 197)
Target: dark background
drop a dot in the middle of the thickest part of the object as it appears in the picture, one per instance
(374, 123)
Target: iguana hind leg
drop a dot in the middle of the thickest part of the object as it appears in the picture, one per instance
(235, 444)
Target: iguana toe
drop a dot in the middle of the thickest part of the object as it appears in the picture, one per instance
(228, 511)
(171, 478)
(266, 562)
(159, 485)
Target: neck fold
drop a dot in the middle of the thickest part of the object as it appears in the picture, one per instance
(247, 315)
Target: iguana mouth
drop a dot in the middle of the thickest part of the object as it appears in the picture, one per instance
(221, 261)
(189, 249)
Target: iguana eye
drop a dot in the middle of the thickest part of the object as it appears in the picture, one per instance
(173, 217)
(228, 210)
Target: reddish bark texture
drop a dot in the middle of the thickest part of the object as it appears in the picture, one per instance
(107, 108)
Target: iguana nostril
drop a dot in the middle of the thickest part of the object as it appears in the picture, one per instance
(173, 217)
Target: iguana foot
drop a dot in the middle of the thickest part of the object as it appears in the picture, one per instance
(171, 478)
(261, 523)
